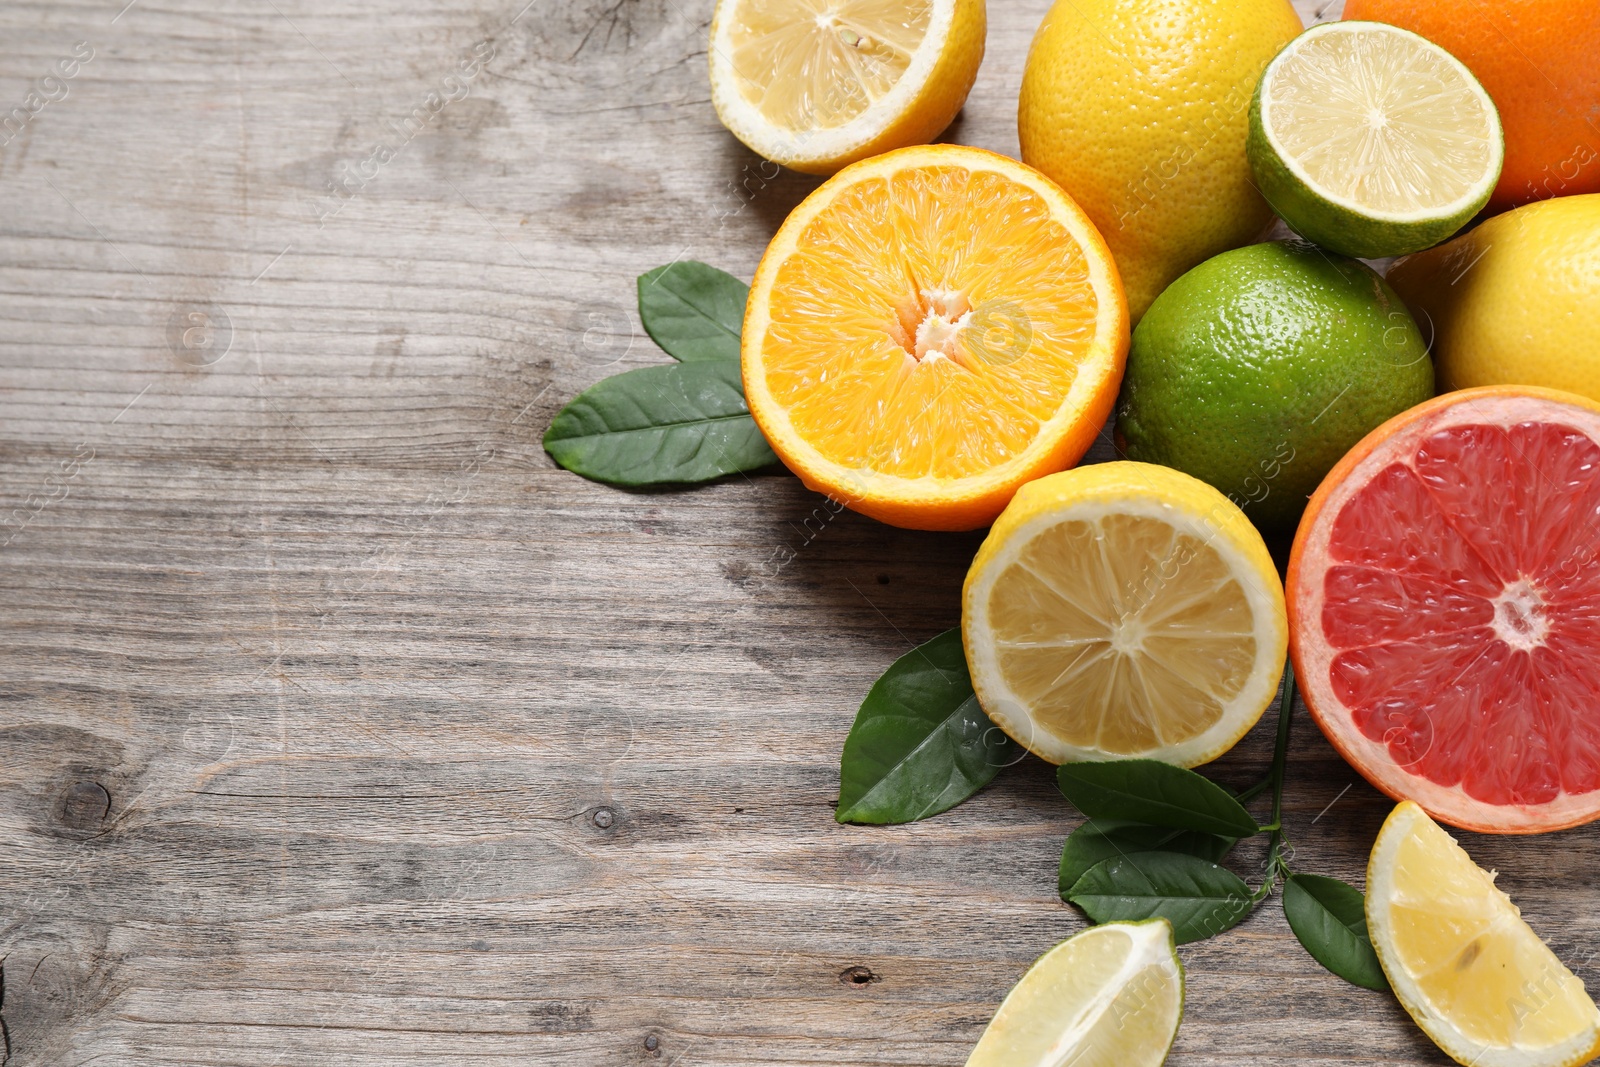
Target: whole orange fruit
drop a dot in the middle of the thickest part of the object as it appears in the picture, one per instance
(1538, 59)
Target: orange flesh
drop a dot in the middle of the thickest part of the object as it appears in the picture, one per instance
(928, 324)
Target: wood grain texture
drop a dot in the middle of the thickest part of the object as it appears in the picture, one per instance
(338, 728)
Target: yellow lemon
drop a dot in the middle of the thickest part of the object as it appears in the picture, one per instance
(1515, 301)
(817, 84)
(1473, 975)
(1124, 610)
(1140, 110)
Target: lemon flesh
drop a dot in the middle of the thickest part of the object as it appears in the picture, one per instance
(1371, 140)
(821, 71)
(1471, 972)
(816, 84)
(1124, 610)
(1110, 997)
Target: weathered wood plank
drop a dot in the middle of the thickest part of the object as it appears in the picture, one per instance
(337, 727)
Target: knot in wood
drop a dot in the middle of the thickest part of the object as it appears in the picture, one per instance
(85, 805)
(858, 976)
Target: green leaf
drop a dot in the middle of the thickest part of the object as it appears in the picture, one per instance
(1103, 839)
(920, 744)
(1199, 898)
(683, 422)
(1154, 793)
(692, 310)
(1329, 917)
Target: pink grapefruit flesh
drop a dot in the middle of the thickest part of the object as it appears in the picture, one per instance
(1444, 608)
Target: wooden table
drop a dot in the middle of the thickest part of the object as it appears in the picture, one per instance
(340, 728)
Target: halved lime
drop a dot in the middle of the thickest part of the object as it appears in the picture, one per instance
(1111, 996)
(1371, 140)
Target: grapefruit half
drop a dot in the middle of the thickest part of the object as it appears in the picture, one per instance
(1444, 608)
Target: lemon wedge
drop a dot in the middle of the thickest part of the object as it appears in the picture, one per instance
(1124, 610)
(1471, 972)
(1110, 997)
(817, 84)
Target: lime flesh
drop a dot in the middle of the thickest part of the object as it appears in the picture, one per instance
(1371, 140)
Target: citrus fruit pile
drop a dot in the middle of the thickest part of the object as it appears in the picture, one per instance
(938, 333)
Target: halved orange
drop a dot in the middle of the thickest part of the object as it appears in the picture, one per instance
(931, 329)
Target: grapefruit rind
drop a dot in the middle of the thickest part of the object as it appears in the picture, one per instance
(1313, 656)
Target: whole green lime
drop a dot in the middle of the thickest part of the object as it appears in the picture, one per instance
(1257, 370)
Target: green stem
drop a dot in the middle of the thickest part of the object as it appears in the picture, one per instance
(1280, 755)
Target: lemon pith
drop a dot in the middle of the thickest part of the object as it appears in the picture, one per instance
(1471, 972)
(1124, 610)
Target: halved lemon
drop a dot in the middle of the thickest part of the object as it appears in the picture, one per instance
(1124, 610)
(816, 84)
(1111, 996)
(1471, 972)
(1371, 140)
(931, 329)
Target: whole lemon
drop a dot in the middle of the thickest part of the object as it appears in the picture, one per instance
(1139, 109)
(1515, 301)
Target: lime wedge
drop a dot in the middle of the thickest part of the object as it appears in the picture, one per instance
(1110, 997)
(1371, 140)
